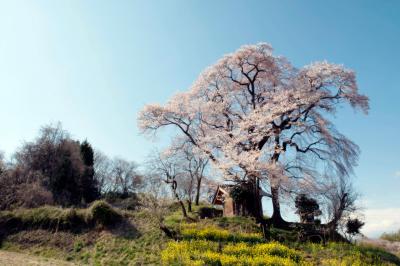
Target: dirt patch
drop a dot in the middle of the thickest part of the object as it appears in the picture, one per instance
(18, 259)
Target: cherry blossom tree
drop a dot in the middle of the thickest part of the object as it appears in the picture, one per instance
(261, 120)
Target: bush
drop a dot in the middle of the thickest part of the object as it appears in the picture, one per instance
(129, 201)
(307, 208)
(353, 226)
(32, 195)
(103, 214)
(209, 212)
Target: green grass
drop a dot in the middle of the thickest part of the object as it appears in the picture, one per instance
(346, 254)
(135, 239)
(203, 244)
(138, 241)
(221, 232)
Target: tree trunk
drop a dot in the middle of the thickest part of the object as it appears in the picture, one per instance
(183, 209)
(174, 186)
(257, 198)
(189, 205)
(198, 192)
(169, 233)
(276, 218)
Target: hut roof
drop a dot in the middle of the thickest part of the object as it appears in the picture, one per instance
(219, 195)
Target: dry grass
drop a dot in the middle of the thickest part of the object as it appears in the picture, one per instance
(17, 259)
(390, 246)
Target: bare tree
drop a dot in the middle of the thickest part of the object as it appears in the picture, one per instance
(125, 177)
(156, 201)
(169, 169)
(2, 163)
(19, 188)
(103, 168)
(186, 188)
(117, 176)
(193, 165)
(340, 202)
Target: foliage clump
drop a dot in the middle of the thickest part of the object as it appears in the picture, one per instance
(102, 213)
(209, 212)
(240, 193)
(353, 226)
(307, 208)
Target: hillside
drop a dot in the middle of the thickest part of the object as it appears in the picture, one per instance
(136, 240)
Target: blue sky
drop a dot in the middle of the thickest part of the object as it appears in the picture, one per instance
(94, 64)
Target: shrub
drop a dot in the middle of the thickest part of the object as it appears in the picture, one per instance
(102, 213)
(209, 212)
(128, 201)
(32, 195)
(353, 226)
(307, 208)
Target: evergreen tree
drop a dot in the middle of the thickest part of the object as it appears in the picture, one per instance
(88, 184)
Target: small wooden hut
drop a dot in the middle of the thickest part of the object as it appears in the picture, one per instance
(222, 198)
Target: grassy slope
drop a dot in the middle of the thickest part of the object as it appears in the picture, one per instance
(135, 241)
(138, 241)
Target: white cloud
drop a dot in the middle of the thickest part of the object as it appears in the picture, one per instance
(378, 221)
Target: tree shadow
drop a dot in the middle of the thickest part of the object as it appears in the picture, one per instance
(125, 229)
